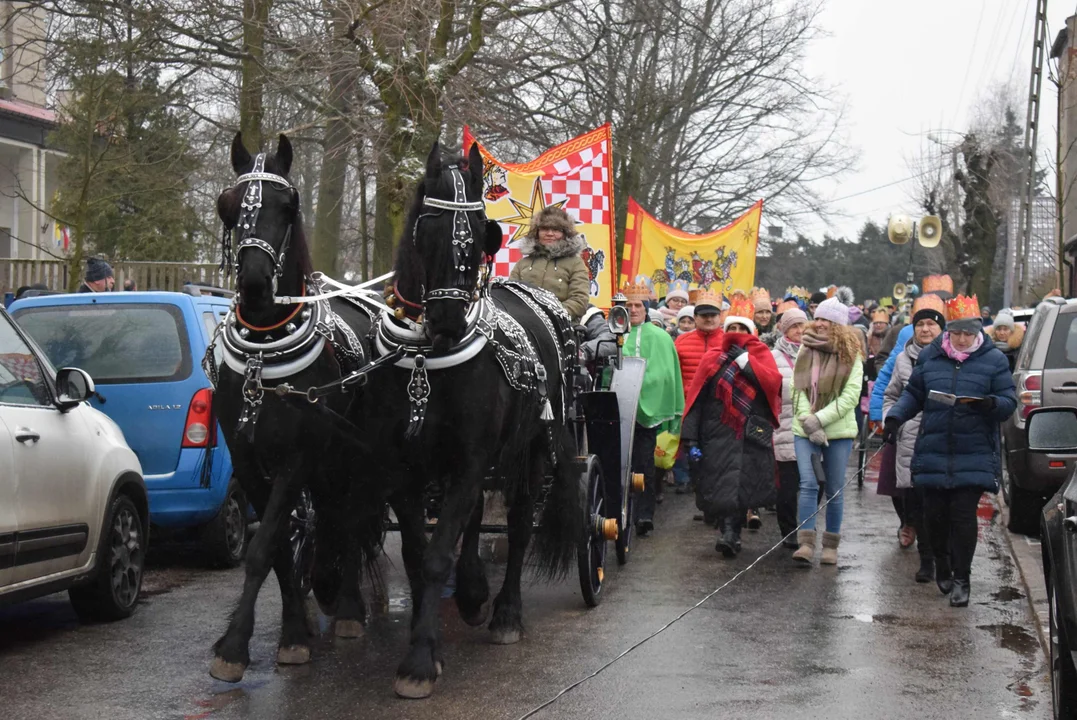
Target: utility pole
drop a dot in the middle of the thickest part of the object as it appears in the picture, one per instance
(1024, 231)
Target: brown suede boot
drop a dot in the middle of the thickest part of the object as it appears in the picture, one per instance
(804, 554)
(830, 548)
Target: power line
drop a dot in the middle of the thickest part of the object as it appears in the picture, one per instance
(968, 66)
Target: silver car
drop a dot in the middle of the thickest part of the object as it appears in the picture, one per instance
(73, 508)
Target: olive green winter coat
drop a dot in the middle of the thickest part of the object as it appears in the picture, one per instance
(559, 269)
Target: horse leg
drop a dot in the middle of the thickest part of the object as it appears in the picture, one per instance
(507, 623)
(472, 590)
(409, 516)
(231, 651)
(351, 610)
(417, 673)
(294, 645)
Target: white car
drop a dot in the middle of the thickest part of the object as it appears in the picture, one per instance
(73, 507)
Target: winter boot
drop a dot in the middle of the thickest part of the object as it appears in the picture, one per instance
(944, 577)
(926, 573)
(727, 542)
(830, 548)
(803, 556)
(959, 596)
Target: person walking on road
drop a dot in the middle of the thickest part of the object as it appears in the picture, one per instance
(957, 456)
(552, 261)
(732, 409)
(928, 321)
(826, 390)
(791, 327)
(660, 401)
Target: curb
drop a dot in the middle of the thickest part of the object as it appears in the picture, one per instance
(1029, 561)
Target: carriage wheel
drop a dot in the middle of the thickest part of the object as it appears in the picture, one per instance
(591, 553)
(625, 530)
(301, 539)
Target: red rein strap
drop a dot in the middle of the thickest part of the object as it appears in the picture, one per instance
(400, 298)
(282, 323)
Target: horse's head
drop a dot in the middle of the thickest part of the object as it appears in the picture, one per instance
(446, 240)
(263, 211)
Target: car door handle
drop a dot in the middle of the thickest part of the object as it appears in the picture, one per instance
(1070, 523)
(25, 435)
(1067, 388)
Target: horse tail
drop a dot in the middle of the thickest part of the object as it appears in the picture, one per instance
(561, 524)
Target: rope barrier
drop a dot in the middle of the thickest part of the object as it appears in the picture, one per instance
(565, 691)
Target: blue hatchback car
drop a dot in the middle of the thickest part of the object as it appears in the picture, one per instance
(144, 352)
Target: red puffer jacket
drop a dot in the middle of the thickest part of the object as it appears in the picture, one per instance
(691, 347)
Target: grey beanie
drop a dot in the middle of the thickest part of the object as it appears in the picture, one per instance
(1004, 319)
(967, 325)
(97, 269)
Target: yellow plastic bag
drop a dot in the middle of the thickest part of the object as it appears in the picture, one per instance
(665, 450)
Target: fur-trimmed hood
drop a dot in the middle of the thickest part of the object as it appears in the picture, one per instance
(572, 244)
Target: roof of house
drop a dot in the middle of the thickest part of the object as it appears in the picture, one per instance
(28, 111)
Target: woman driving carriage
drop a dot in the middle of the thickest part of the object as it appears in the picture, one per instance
(552, 261)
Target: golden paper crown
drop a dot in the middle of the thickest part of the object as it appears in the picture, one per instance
(798, 292)
(937, 283)
(636, 291)
(932, 302)
(707, 297)
(759, 296)
(962, 307)
(880, 315)
(830, 290)
(787, 305)
(740, 305)
(693, 295)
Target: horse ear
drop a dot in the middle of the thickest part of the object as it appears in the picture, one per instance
(284, 154)
(433, 162)
(474, 162)
(494, 237)
(241, 159)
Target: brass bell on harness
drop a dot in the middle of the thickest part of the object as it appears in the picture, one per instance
(399, 313)
(390, 300)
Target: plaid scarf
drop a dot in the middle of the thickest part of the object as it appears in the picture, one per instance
(733, 388)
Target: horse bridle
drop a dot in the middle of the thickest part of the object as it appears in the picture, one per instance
(463, 240)
(248, 220)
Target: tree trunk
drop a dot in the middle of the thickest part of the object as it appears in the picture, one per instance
(252, 73)
(334, 172)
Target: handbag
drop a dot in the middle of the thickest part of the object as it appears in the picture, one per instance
(758, 432)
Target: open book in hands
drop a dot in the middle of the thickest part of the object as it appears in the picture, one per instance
(951, 400)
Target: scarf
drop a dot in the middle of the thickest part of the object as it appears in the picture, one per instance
(960, 355)
(788, 349)
(734, 388)
(875, 342)
(662, 396)
(819, 371)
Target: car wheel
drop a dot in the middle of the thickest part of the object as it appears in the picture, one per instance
(113, 592)
(1063, 673)
(224, 538)
(1025, 508)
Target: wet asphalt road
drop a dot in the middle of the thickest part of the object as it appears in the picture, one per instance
(859, 640)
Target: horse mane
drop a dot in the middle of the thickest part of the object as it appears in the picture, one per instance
(300, 249)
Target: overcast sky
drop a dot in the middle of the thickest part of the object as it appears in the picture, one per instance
(912, 68)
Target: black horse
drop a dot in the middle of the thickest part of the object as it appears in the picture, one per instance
(476, 403)
(280, 444)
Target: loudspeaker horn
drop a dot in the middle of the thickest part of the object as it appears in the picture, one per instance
(930, 231)
(900, 291)
(899, 229)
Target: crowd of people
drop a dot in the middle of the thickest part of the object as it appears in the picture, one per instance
(759, 392)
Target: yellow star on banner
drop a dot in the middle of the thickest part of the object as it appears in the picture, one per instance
(525, 213)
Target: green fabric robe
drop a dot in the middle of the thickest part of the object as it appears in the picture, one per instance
(662, 398)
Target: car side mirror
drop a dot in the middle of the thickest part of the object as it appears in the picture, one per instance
(73, 386)
(1052, 430)
(618, 320)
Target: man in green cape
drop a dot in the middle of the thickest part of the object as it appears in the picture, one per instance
(661, 401)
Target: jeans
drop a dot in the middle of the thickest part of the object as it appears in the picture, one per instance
(643, 443)
(952, 526)
(835, 458)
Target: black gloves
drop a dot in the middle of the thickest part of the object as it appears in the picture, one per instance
(890, 430)
(984, 405)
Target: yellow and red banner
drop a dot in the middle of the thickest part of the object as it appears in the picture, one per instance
(721, 260)
(577, 176)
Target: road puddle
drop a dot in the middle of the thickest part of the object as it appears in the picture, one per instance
(1013, 637)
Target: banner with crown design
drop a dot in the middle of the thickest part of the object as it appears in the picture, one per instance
(576, 176)
(720, 260)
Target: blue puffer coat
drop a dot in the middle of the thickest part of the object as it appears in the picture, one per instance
(954, 443)
(883, 379)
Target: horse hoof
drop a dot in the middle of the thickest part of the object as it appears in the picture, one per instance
(504, 637)
(438, 667)
(413, 689)
(293, 655)
(481, 617)
(227, 671)
(349, 629)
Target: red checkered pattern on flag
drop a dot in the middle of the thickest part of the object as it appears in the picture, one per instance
(575, 176)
